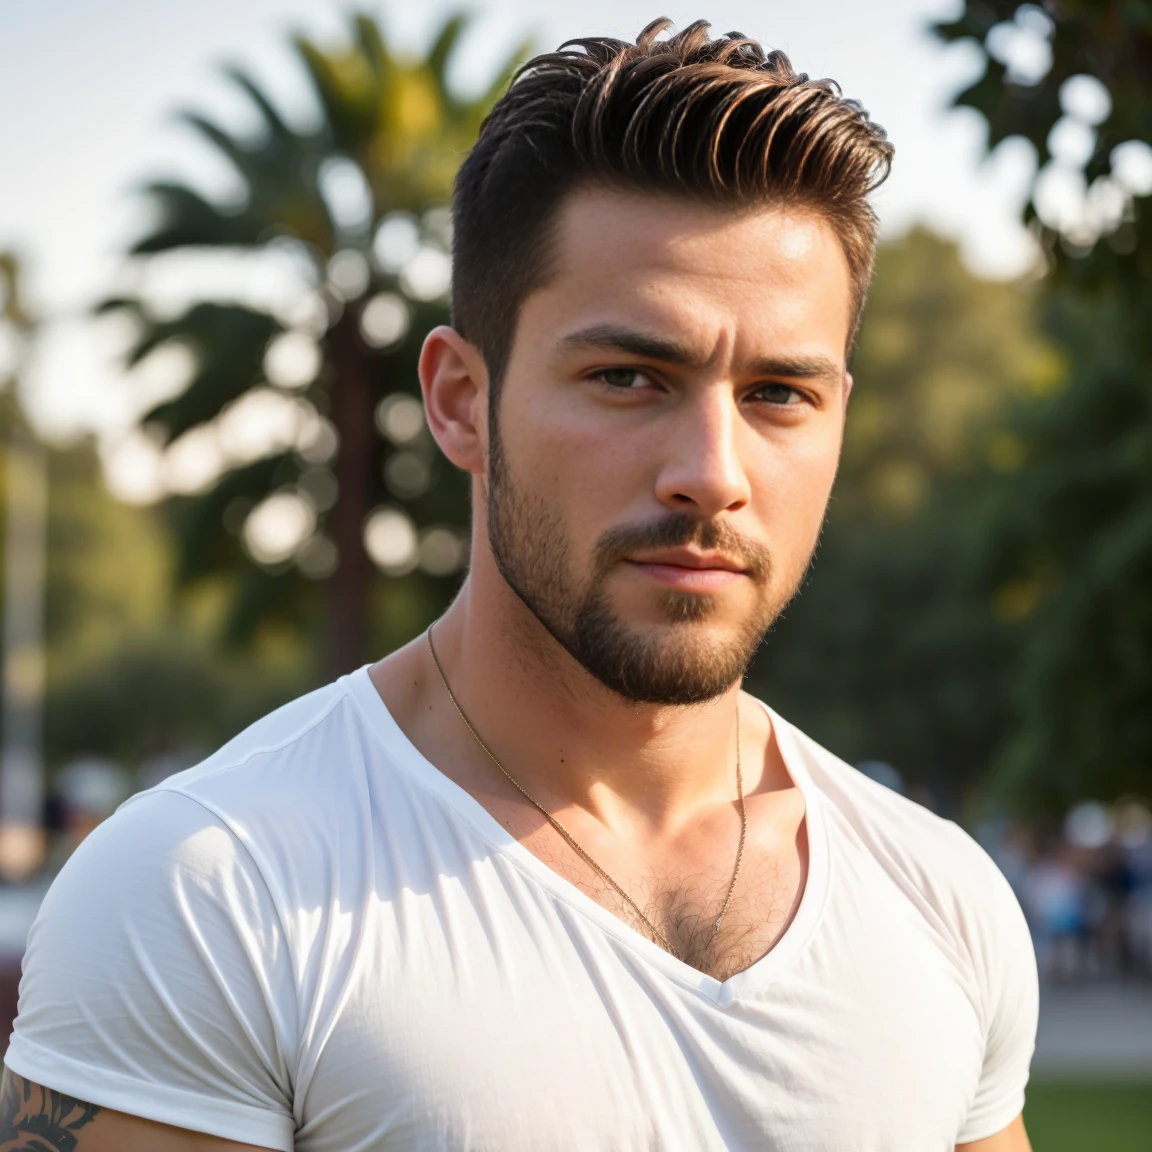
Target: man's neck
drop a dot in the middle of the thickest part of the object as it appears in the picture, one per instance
(560, 732)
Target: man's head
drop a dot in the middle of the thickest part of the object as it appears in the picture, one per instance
(661, 252)
(717, 121)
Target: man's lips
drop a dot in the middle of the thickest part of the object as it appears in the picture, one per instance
(686, 570)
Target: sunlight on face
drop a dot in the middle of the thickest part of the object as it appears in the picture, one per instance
(669, 427)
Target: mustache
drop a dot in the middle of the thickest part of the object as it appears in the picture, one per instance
(678, 530)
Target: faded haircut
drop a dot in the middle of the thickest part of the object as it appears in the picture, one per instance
(716, 120)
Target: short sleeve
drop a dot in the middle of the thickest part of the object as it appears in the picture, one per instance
(157, 981)
(1006, 972)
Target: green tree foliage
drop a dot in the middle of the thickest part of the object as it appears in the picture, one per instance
(132, 669)
(1068, 555)
(159, 695)
(356, 205)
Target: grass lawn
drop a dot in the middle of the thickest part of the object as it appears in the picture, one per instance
(1083, 1116)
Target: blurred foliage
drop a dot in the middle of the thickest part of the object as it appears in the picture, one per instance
(383, 151)
(132, 668)
(12, 310)
(108, 570)
(138, 599)
(939, 358)
(1110, 40)
(131, 672)
(159, 697)
(1068, 554)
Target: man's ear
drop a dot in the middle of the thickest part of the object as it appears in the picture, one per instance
(454, 382)
(848, 382)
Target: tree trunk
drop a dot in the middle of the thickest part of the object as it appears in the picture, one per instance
(352, 416)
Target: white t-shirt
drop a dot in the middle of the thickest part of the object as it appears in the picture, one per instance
(315, 940)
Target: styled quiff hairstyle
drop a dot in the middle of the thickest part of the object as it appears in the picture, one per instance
(720, 121)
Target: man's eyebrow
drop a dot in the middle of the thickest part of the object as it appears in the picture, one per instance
(619, 339)
(799, 368)
(616, 338)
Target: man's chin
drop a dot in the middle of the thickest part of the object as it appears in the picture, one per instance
(681, 663)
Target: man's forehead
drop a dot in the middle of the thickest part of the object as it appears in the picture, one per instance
(688, 272)
(608, 227)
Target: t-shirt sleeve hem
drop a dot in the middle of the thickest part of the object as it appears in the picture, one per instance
(988, 1121)
(175, 1106)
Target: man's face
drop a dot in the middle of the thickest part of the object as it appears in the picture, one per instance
(668, 429)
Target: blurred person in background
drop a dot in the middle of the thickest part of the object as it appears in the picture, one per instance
(545, 878)
(1134, 833)
(1086, 887)
(1057, 892)
(1124, 874)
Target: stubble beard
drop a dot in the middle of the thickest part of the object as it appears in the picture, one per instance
(681, 663)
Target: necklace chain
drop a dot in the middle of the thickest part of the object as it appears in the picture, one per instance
(655, 932)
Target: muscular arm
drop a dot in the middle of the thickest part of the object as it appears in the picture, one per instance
(37, 1119)
(1010, 1139)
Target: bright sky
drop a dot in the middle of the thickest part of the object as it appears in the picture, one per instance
(87, 92)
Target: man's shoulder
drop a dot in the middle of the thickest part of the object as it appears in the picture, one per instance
(306, 755)
(283, 808)
(292, 788)
(273, 739)
(934, 861)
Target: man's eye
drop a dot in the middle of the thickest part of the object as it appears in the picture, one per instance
(623, 378)
(783, 394)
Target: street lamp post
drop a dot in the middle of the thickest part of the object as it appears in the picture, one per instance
(22, 635)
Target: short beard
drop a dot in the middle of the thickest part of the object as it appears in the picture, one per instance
(531, 552)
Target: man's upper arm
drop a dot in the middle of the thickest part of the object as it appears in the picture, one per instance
(1011, 1139)
(1005, 969)
(37, 1119)
(157, 982)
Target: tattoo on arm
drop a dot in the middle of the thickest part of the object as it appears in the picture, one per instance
(36, 1119)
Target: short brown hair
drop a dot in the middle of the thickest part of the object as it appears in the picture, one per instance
(718, 120)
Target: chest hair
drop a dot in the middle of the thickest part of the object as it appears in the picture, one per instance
(684, 909)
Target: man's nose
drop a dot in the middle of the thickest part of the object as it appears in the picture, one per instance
(703, 473)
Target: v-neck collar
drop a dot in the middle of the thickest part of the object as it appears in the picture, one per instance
(746, 984)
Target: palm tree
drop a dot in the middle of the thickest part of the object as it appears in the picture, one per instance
(322, 462)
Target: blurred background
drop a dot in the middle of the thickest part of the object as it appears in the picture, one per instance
(223, 235)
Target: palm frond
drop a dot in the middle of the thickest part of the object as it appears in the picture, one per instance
(444, 45)
(273, 121)
(122, 304)
(348, 115)
(228, 341)
(243, 157)
(373, 46)
(187, 219)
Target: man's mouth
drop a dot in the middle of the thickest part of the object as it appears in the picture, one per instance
(687, 570)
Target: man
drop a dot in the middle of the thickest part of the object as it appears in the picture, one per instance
(545, 878)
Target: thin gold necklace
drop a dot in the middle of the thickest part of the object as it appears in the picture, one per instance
(657, 935)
